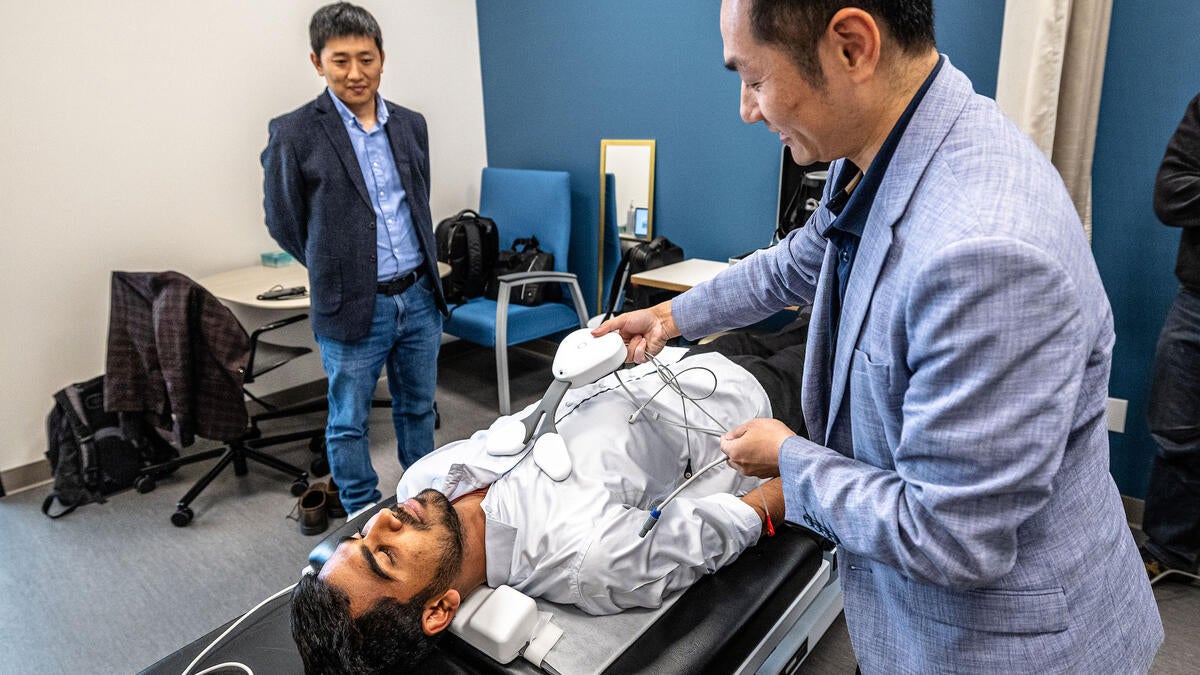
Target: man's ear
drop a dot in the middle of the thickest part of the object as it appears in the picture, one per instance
(439, 612)
(316, 61)
(857, 40)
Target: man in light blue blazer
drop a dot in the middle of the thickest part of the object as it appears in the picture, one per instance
(959, 353)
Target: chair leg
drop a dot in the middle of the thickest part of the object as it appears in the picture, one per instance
(502, 377)
(236, 454)
(226, 460)
(279, 465)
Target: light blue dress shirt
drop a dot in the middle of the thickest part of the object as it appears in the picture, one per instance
(396, 244)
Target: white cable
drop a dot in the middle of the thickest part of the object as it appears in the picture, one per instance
(227, 664)
(711, 432)
(220, 637)
(716, 462)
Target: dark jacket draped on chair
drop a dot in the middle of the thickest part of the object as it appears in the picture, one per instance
(176, 352)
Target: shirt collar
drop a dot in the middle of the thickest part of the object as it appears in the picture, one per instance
(864, 192)
(381, 112)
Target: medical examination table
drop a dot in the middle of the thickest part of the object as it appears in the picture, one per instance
(761, 614)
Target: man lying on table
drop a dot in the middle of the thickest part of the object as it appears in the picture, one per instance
(466, 518)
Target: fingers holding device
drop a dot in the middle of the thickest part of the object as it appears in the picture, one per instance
(644, 332)
(753, 447)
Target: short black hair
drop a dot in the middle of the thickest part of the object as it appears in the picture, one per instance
(387, 638)
(340, 20)
(796, 26)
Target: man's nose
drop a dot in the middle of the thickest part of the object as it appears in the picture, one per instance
(387, 522)
(749, 106)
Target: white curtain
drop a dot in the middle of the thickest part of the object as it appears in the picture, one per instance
(1051, 68)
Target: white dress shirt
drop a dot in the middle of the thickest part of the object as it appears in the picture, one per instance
(576, 541)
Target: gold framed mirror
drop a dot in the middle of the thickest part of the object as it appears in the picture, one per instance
(626, 201)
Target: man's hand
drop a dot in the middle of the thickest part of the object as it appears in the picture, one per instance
(753, 447)
(645, 332)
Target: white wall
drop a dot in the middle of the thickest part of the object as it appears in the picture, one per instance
(130, 132)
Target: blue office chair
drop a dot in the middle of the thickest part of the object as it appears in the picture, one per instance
(523, 203)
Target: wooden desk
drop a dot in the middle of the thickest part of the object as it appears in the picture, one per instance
(242, 286)
(679, 276)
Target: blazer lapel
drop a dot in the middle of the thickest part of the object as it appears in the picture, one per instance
(872, 251)
(931, 122)
(399, 142)
(815, 392)
(339, 138)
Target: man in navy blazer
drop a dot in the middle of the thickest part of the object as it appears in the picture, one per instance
(346, 192)
(956, 376)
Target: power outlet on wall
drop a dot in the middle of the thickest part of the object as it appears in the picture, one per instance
(1116, 414)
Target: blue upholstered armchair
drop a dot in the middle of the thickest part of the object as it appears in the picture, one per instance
(523, 203)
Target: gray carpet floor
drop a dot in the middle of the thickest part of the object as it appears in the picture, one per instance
(114, 587)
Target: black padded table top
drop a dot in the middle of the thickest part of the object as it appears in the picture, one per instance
(711, 628)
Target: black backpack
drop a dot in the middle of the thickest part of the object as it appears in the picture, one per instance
(94, 453)
(469, 243)
(527, 258)
(647, 255)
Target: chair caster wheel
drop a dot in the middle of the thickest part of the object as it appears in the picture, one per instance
(299, 487)
(182, 516)
(319, 466)
(316, 444)
(144, 484)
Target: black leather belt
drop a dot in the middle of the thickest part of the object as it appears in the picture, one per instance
(399, 284)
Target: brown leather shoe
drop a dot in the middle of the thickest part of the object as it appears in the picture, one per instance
(313, 516)
(333, 503)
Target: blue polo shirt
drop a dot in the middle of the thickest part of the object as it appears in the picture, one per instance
(397, 250)
(851, 209)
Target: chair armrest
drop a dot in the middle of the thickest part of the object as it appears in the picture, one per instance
(274, 325)
(521, 278)
(535, 277)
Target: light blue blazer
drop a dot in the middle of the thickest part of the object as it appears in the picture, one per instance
(959, 447)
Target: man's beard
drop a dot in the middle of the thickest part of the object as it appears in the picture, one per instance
(438, 511)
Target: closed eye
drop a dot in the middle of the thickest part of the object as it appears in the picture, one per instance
(373, 564)
(391, 555)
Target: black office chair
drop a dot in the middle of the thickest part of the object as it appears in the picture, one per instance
(176, 353)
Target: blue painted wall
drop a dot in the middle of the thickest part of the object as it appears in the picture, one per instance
(1149, 77)
(560, 76)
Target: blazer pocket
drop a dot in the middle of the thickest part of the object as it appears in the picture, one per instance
(325, 274)
(882, 406)
(1023, 611)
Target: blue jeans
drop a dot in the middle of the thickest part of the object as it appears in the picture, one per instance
(406, 333)
(1172, 517)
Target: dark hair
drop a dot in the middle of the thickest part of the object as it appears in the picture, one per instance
(339, 20)
(386, 638)
(796, 26)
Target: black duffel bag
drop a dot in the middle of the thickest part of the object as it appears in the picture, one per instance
(638, 258)
(524, 256)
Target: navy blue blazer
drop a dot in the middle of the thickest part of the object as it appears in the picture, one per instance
(318, 209)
